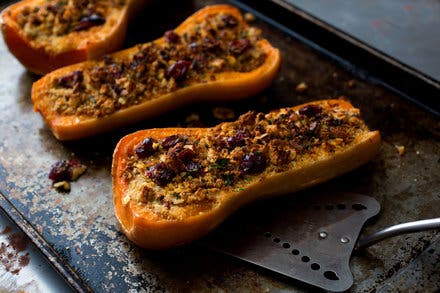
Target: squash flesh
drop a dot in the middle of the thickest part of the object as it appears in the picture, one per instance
(155, 229)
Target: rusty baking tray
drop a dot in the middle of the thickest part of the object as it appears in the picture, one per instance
(77, 231)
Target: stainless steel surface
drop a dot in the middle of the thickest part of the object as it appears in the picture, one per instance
(80, 229)
(309, 239)
(398, 229)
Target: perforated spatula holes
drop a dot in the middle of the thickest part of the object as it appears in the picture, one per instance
(310, 239)
(330, 275)
(306, 240)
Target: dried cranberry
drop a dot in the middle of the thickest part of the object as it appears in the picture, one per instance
(186, 155)
(160, 174)
(237, 47)
(179, 69)
(171, 37)
(239, 139)
(89, 21)
(59, 171)
(253, 162)
(229, 20)
(172, 140)
(66, 170)
(36, 21)
(210, 43)
(71, 80)
(310, 111)
(145, 148)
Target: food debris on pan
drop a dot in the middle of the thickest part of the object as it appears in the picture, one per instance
(65, 171)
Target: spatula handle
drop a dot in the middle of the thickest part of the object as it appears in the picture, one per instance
(395, 230)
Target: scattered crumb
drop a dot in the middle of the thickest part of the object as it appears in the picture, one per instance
(223, 113)
(62, 186)
(302, 87)
(249, 17)
(400, 149)
(335, 75)
(351, 83)
(417, 153)
(65, 171)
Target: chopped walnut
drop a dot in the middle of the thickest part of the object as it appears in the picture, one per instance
(62, 186)
(249, 17)
(64, 171)
(191, 169)
(215, 44)
(301, 87)
(400, 149)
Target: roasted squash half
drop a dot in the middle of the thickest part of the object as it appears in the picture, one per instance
(174, 185)
(48, 34)
(213, 55)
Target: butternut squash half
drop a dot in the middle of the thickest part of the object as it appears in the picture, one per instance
(48, 34)
(174, 185)
(213, 55)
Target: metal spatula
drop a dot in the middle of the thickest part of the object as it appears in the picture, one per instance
(309, 239)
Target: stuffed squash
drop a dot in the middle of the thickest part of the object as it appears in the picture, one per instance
(174, 185)
(213, 55)
(48, 34)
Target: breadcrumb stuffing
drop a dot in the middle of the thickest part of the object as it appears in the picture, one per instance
(188, 173)
(217, 43)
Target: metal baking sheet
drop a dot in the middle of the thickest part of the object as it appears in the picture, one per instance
(77, 231)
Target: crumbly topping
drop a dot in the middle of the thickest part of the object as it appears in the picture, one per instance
(218, 43)
(180, 171)
(60, 17)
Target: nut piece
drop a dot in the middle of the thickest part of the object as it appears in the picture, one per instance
(249, 17)
(62, 186)
(302, 87)
(65, 171)
(400, 149)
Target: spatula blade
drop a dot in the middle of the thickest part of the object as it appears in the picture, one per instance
(309, 238)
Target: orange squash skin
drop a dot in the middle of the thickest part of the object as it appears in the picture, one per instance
(149, 231)
(227, 86)
(84, 45)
